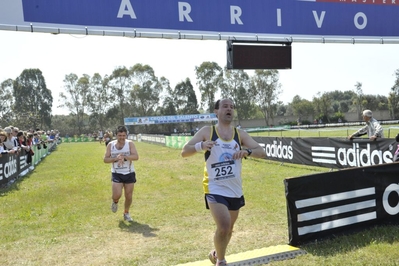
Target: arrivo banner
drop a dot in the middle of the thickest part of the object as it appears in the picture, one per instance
(358, 19)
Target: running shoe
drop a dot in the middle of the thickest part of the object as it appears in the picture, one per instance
(221, 263)
(126, 217)
(212, 256)
(114, 207)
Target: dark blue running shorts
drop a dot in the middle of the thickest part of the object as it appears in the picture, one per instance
(126, 179)
(233, 204)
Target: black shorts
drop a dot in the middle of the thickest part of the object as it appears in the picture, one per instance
(233, 204)
(125, 179)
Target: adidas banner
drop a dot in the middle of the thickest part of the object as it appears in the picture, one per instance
(11, 165)
(329, 152)
(327, 204)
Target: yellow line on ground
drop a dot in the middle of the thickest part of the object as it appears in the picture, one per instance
(256, 257)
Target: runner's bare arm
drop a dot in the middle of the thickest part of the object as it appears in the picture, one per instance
(200, 142)
(134, 156)
(107, 156)
(250, 143)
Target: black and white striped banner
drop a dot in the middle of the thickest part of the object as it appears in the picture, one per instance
(329, 152)
(326, 204)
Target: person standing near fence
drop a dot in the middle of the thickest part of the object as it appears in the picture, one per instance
(373, 129)
(223, 148)
(121, 153)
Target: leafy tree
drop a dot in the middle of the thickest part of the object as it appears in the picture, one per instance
(282, 109)
(323, 106)
(302, 108)
(375, 102)
(343, 107)
(180, 100)
(147, 89)
(146, 92)
(6, 102)
(75, 97)
(168, 108)
(66, 124)
(121, 85)
(99, 100)
(209, 77)
(185, 98)
(33, 101)
(358, 99)
(265, 90)
(236, 86)
(393, 98)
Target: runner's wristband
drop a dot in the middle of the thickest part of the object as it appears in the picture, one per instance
(198, 146)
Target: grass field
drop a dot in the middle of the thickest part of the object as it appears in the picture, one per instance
(60, 214)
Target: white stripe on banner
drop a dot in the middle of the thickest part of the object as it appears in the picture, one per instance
(323, 148)
(334, 197)
(336, 210)
(324, 161)
(327, 155)
(320, 154)
(337, 223)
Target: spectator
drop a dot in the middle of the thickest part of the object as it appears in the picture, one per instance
(43, 137)
(29, 143)
(373, 129)
(22, 141)
(396, 154)
(100, 136)
(107, 138)
(3, 149)
(36, 139)
(11, 142)
(51, 136)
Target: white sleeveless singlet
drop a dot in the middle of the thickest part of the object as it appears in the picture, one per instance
(222, 174)
(127, 166)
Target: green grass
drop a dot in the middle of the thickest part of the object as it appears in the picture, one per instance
(60, 214)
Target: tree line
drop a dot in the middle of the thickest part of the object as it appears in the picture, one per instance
(101, 102)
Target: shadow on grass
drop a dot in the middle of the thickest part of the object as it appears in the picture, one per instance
(388, 234)
(13, 184)
(135, 227)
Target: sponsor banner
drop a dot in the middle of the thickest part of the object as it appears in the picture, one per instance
(176, 142)
(78, 139)
(167, 119)
(208, 19)
(329, 152)
(12, 165)
(155, 139)
(327, 204)
(9, 167)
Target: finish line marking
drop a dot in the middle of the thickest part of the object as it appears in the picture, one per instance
(256, 257)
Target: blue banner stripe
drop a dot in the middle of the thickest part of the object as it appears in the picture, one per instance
(290, 17)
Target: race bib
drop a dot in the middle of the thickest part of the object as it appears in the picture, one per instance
(224, 170)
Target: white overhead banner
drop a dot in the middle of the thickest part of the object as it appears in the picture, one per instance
(367, 21)
(167, 119)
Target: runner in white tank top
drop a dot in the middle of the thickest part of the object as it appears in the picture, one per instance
(125, 167)
(222, 175)
(222, 179)
(121, 153)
